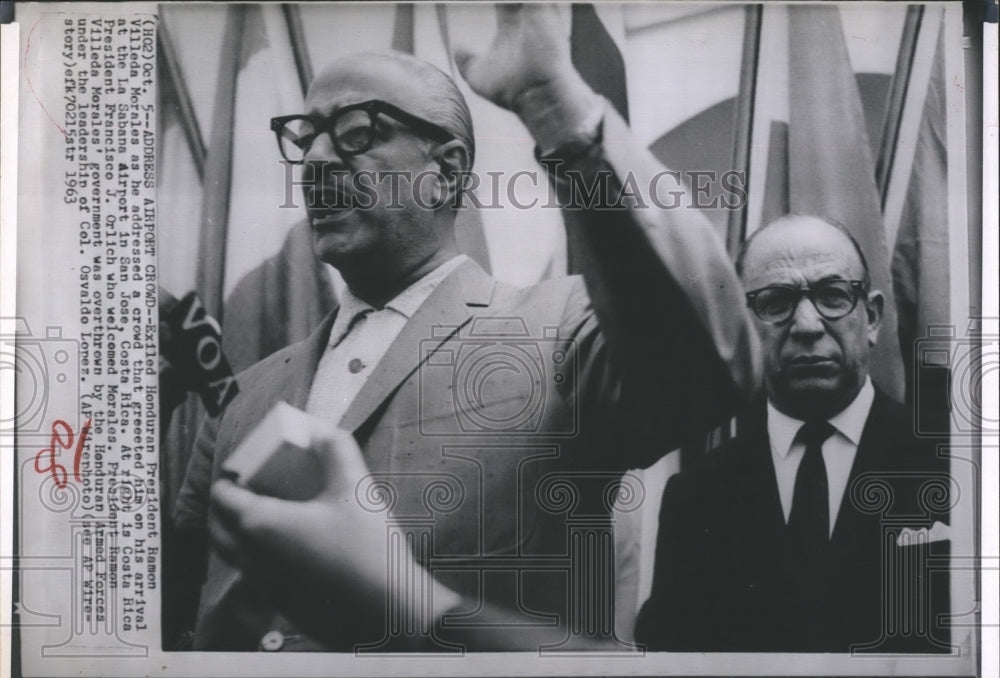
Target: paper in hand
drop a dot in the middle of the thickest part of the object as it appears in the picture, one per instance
(277, 458)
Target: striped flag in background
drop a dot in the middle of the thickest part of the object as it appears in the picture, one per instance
(271, 299)
(274, 298)
(672, 69)
(921, 278)
(818, 122)
(831, 171)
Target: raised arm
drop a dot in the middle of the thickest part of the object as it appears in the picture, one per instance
(667, 298)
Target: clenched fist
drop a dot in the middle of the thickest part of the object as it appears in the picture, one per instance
(528, 70)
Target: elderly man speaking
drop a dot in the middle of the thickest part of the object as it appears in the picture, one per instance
(610, 370)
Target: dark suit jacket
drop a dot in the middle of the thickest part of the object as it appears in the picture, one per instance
(727, 580)
(597, 387)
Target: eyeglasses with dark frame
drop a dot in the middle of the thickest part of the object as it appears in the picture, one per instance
(351, 128)
(832, 299)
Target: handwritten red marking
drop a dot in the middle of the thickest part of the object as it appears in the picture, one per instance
(62, 438)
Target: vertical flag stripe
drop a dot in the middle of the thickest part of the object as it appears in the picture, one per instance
(176, 90)
(830, 167)
(218, 166)
(283, 298)
(402, 30)
(768, 155)
(286, 83)
(296, 35)
(775, 202)
(921, 282)
(894, 195)
(597, 58)
(897, 97)
(743, 123)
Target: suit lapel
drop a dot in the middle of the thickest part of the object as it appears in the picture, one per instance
(751, 519)
(765, 486)
(758, 484)
(755, 509)
(444, 312)
(289, 381)
(876, 437)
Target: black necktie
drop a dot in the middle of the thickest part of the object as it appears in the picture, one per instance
(809, 521)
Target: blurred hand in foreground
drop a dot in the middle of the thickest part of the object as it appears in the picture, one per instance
(321, 562)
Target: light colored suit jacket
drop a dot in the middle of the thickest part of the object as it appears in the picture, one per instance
(492, 398)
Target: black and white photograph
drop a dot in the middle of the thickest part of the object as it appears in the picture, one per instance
(613, 338)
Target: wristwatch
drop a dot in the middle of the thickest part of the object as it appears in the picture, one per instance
(579, 143)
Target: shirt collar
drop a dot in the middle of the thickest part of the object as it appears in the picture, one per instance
(410, 300)
(350, 307)
(406, 303)
(849, 422)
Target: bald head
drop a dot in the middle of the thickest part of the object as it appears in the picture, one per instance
(400, 79)
(815, 362)
(805, 227)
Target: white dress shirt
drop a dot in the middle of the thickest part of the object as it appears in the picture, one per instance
(839, 449)
(360, 337)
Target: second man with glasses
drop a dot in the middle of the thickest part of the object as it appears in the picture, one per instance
(814, 529)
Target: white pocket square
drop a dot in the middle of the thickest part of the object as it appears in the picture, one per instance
(909, 536)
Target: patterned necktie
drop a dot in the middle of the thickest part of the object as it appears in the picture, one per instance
(809, 521)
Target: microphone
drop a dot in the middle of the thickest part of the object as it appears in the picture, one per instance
(191, 357)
